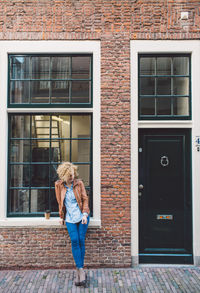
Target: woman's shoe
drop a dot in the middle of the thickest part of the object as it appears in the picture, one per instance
(77, 279)
(82, 277)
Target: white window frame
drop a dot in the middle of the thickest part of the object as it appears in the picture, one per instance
(51, 47)
(156, 47)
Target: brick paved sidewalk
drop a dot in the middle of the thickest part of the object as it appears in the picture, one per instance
(142, 278)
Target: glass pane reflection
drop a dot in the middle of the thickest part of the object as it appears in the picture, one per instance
(147, 66)
(81, 67)
(84, 173)
(181, 85)
(164, 106)
(163, 86)
(20, 151)
(147, 106)
(163, 66)
(80, 92)
(19, 92)
(40, 67)
(40, 175)
(39, 200)
(60, 67)
(19, 201)
(147, 86)
(81, 126)
(20, 126)
(40, 91)
(181, 106)
(53, 201)
(60, 150)
(60, 126)
(80, 150)
(181, 65)
(19, 175)
(60, 92)
(19, 67)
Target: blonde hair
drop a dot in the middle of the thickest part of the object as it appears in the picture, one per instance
(65, 169)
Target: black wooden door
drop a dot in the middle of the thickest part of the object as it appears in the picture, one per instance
(165, 204)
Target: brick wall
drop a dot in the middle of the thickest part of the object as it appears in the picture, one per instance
(114, 23)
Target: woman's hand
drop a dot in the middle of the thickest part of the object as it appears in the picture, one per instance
(84, 220)
(61, 222)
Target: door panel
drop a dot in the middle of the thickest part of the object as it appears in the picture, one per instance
(165, 195)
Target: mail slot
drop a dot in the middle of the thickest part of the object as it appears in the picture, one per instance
(164, 217)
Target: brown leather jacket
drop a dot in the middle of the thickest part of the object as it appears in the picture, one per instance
(80, 195)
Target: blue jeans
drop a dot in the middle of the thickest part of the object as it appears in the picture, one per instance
(77, 234)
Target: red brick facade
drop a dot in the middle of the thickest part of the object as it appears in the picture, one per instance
(114, 23)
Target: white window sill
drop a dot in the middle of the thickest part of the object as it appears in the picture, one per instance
(41, 222)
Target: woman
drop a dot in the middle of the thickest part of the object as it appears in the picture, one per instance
(74, 211)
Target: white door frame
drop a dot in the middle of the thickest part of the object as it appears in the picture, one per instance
(165, 46)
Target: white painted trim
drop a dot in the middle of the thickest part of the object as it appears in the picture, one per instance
(167, 46)
(39, 222)
(7, 47)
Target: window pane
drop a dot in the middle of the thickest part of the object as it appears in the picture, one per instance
(40, 67)
(40, 175)
(163, 86)
(19, 68)
(19, 201)
(40, 126)
(80, 92)
(147, 106)
(80, 150)
(60, 150)
(147, 66)
(53, 175)
(40, 151)
(147, 86)
(60, 92)
(81, 126)
(60, 67)
(19, 175)
(19, 92)
(60, 126)
(20, 126)
(181, 106)
(81, 67)
(53, 201)
(39, 200)
(84, 173)
(20, 151)
(49, 79)
(181, 65)
(40, 91)
(164, 106)
(181, 86)
(163, 66)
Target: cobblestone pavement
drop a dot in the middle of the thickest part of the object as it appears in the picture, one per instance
(143, 278)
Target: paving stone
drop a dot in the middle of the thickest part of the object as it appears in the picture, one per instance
(140, 279)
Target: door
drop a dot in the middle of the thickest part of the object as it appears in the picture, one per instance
(165, 204)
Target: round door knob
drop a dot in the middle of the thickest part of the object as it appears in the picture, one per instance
(141, 186)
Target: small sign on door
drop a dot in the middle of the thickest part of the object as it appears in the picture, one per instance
(197, 143)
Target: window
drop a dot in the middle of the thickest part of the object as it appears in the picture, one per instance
(38, 142)
(164, 86)
(50, 80)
